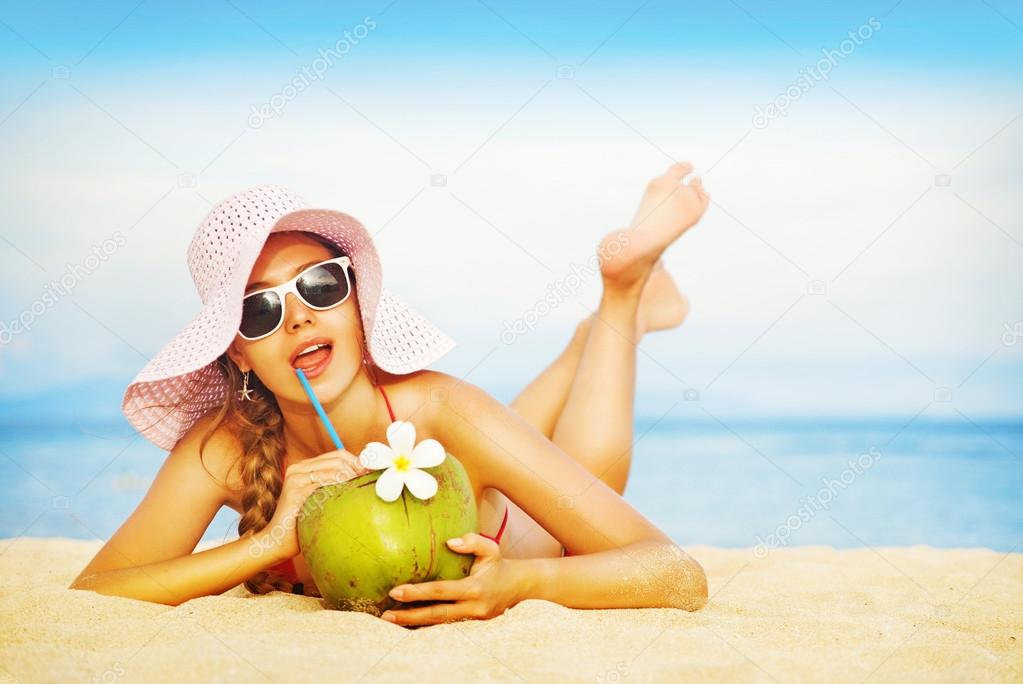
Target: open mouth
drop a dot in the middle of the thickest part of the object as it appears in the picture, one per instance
(313, 357)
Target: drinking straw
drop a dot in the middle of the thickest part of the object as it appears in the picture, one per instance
(319, 407)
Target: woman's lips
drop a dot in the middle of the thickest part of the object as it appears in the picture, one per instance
(314, 363)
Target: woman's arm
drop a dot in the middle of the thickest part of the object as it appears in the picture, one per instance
(150, 556)
(177, 580)
(640, 575)
(626, 561)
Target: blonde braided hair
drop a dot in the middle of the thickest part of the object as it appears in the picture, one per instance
(259, 427)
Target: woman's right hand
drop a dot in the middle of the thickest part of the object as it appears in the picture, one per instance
(300, 480)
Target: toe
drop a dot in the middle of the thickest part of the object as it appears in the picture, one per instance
(678, 170)
(696, 183)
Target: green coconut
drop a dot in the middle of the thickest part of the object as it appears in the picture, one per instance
(358, 547)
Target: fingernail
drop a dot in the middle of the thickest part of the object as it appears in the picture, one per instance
(455, 542)
(387, 616)
(397, 593)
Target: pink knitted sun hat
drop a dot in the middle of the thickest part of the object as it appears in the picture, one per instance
(183, 382)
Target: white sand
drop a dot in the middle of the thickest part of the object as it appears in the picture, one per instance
(804, 614)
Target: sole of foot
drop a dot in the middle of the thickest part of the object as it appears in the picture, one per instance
(667, 209)
(661, 305)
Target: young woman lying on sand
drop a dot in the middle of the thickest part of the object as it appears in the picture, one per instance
(548, 471)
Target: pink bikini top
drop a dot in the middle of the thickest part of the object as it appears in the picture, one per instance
(286, 568)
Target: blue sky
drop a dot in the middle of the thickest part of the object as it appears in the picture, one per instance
(926, 35)
(861, 258)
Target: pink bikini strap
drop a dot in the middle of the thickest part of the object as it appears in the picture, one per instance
(373, 377)
(387, 401)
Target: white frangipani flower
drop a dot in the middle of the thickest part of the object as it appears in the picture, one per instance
(403, 460)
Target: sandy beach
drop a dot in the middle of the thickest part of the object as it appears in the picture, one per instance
(800, 614)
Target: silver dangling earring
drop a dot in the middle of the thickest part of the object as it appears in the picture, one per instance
(245, 394)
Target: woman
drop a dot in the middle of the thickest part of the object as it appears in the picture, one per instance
(223, 397)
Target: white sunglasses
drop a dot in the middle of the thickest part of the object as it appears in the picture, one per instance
(322, 286)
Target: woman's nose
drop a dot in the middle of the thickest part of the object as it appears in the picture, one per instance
(296, 312)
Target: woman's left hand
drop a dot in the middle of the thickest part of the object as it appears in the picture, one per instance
(494, 584)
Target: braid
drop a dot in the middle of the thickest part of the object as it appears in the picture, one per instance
(259, 426)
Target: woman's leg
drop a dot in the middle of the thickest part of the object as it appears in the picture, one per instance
(551, 404)
(596, 421)
(541, 401)
(661, 307)
(585, 397)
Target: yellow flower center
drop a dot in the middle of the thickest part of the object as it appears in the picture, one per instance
(402, 463)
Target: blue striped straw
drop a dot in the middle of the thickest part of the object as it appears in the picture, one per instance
(319, 407)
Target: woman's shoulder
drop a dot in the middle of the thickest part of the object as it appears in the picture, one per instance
(412, 393)
(219, 450)
(425, 396)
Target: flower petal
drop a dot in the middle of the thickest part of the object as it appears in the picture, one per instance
(390, 484)
(376, 456)
(401, 435)
(423, 485)
(427, 454)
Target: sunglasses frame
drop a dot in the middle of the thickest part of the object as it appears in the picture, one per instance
(283, 289)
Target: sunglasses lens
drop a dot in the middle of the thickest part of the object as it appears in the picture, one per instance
(324, 285)
(260, 314)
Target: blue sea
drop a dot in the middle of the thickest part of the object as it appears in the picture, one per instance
(754, 483)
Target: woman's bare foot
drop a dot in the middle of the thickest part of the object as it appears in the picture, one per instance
(668, 208)
(661, 305)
